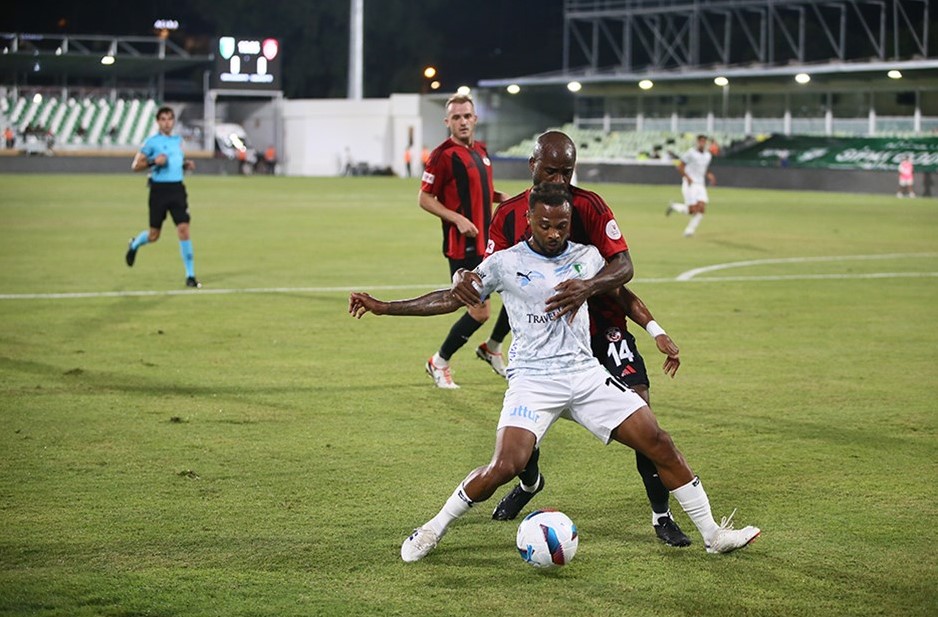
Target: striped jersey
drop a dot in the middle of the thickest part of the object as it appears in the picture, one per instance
(460, 177)
(592, 223)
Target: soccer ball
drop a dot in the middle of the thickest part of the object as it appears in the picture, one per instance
(547, 539)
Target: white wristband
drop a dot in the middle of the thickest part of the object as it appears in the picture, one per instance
(654, 329)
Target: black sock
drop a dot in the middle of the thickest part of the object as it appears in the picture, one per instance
(531, 471)
(657, 493)
(502, 327)
(464, 328)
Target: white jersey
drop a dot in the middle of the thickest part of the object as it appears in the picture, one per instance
(696, 164)
(541, 343)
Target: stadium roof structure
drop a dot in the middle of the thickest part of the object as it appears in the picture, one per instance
(621, 42)
(82, 55)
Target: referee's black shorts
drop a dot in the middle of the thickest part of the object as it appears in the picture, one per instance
(168, 197)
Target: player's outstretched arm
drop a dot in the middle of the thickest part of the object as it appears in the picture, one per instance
(466, 285)
(360, 303)
(434, 303)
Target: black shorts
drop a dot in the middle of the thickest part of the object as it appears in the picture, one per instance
(469, 263)
(616, 350)
(168, 197)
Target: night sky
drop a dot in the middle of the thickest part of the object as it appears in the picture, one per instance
(465, 41)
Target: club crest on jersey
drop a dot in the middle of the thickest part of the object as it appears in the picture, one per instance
(613, 335)
(428, 178)
(487, 162)
(576, 266)
(612, 230)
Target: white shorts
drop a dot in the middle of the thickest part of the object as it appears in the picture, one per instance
(593, 399)
(694, 193)
(906, 181)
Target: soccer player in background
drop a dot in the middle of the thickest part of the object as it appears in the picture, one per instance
(162, 155)
(552, 372)
(694, 169)
(457, 187)
(554, 160)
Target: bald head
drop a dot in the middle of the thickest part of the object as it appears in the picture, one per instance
(553, 159)
(554, 142)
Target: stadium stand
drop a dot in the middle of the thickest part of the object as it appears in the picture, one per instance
(597, 146)
(85, 122)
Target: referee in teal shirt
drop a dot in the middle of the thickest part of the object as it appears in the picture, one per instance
(162, 155)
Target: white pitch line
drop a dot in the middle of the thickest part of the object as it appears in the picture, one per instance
(690, 274)
(812, 277)
(204, 291)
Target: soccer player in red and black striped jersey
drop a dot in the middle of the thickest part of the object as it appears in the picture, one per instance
(457, 187)
(554, 160)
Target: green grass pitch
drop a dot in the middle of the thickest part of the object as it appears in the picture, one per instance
(250, 449)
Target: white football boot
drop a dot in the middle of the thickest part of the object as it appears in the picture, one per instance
(419, 544)
(726, 539)
(442, 377)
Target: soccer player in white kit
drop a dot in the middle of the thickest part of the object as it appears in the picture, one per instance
(694, 169)
(552, 373)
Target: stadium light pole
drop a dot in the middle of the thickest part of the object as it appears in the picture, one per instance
(356, 49)
(724, 83)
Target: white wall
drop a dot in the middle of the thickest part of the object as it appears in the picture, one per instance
(375, 131)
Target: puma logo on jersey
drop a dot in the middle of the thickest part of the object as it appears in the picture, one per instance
(528, 277)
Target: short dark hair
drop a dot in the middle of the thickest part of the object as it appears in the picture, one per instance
(165, 110)
(549, 194)
(699, 137)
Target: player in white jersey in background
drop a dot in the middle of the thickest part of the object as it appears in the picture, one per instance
(552, 373)
(694, 169)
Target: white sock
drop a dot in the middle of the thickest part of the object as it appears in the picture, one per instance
(695, 502)
(493, 346)
(682, 208)
(457, 505)
(531, 489)
(694, 222)
(439, 362)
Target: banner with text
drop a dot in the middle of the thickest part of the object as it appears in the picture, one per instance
(839, 153)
